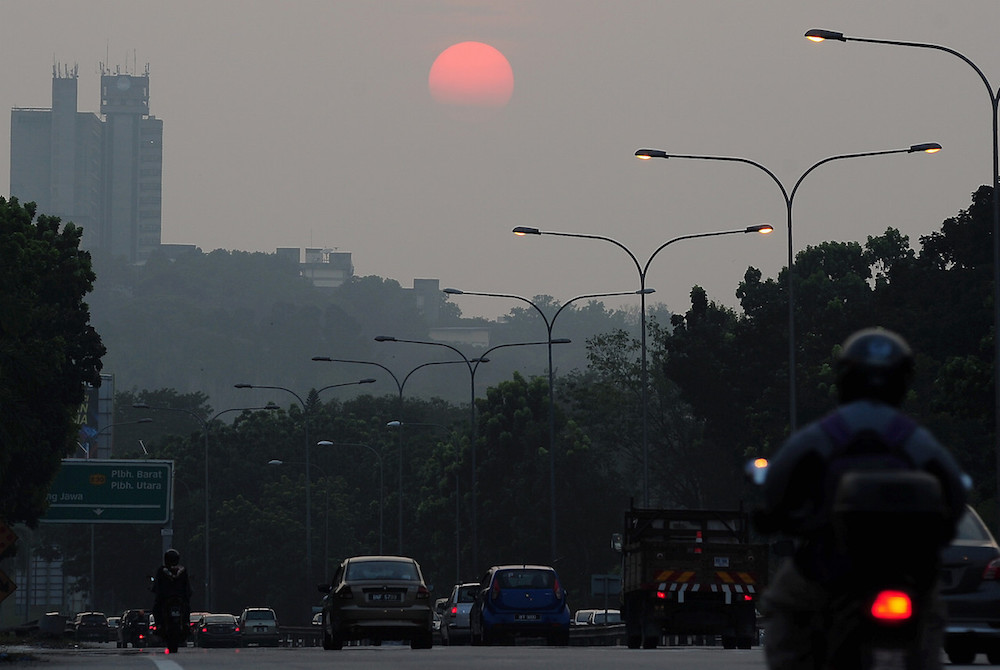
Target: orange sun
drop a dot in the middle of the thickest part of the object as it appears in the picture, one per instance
(471, 75)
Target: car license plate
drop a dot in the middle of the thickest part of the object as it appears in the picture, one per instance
(525, 617)
(385, 597)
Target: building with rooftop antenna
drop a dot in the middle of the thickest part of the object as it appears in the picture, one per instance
(103, 173)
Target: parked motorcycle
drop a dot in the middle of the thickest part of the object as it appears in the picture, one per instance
(889, 526)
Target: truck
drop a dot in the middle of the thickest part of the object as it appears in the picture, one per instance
(690, 572)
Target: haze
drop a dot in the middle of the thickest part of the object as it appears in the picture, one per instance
(310, 124)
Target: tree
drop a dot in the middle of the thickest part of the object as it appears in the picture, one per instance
(48, 353)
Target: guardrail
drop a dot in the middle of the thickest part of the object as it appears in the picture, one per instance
(579, 636)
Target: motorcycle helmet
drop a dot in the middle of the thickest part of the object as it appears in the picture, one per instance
(874, 364)
(171, 558)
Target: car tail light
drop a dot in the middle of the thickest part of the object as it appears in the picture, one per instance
(423, 593)
(992, 570)
(204, 629)
(495, 590)
(454, 609)
(345, 593)
(556, 588)
(892, 606)
(236, 628)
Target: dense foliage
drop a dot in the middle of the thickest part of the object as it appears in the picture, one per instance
(48, 352)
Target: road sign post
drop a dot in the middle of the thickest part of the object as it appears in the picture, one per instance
(111, 491)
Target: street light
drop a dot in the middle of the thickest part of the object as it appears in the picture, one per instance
(399, 387)
(643, 269)
(381, 479)
(305, 423)
(549, 323)
(86, 449)
(817, 35)
(472, 413)
(204, 426)
(326, 516)
(927, 147)
(458, 544)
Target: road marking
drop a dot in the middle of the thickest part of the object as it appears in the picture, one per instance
(164, 663)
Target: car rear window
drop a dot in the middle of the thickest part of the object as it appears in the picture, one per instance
(381, 571)
(970, 528)
(526, 579)
(260, 615)
(467, 594)
(93, 618)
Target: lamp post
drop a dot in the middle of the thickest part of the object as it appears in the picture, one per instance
(205, 423)
(305, 424)
(399, 386)
(549, 324)
(643, 269)
(789, 196)
(472, 364)
(458, 544)
(817, 35)
(381, 479)
(326, 516)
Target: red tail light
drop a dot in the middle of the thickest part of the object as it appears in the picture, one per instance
(237, 629)
(892, 606)
(662, 595)
(495, 591)
(204, 629)
(423, 593)
(454, 609)
(557, 588)
(992, 570)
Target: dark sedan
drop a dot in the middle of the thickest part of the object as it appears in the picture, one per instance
(218, 630)
(971, 591)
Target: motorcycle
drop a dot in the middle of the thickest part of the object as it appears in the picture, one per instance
(174, 629)
(888, 526)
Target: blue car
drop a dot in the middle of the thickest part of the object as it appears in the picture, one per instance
(520, 600)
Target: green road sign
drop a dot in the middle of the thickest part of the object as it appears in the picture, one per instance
(111, 491)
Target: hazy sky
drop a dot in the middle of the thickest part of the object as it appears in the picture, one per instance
(295, 124)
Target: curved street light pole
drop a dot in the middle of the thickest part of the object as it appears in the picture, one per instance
(326, 516)
(789, 197)
(399, 387)
(549, 324)
(817, 35)
(381, 477)
(472, 364)
(642, 270)
(305, 423)
(205, 423)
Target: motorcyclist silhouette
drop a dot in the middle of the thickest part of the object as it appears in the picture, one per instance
(171, 585)
(873, 372)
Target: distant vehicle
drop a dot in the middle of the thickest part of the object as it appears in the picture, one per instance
(377, 598)
(259, 625)
(455, 628)
(90, 626)
(193, 619)
(970, 588)
(113, 622)
(525, 600)
(134, 629)
(604, 618)
(317, 619)
(581, 617)
(218, 630)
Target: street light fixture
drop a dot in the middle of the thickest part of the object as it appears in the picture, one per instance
(399, 386)
(381, 479)
(205, 423)
(763, 228)
(472, 364)
(926, 147)
(818, 35)
(305, 424)
(549, 324)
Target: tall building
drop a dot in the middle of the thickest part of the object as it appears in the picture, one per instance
(103, 174)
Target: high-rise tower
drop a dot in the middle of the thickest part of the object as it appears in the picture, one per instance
(103, 175)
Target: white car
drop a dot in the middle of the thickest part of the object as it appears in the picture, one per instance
(455, 626)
